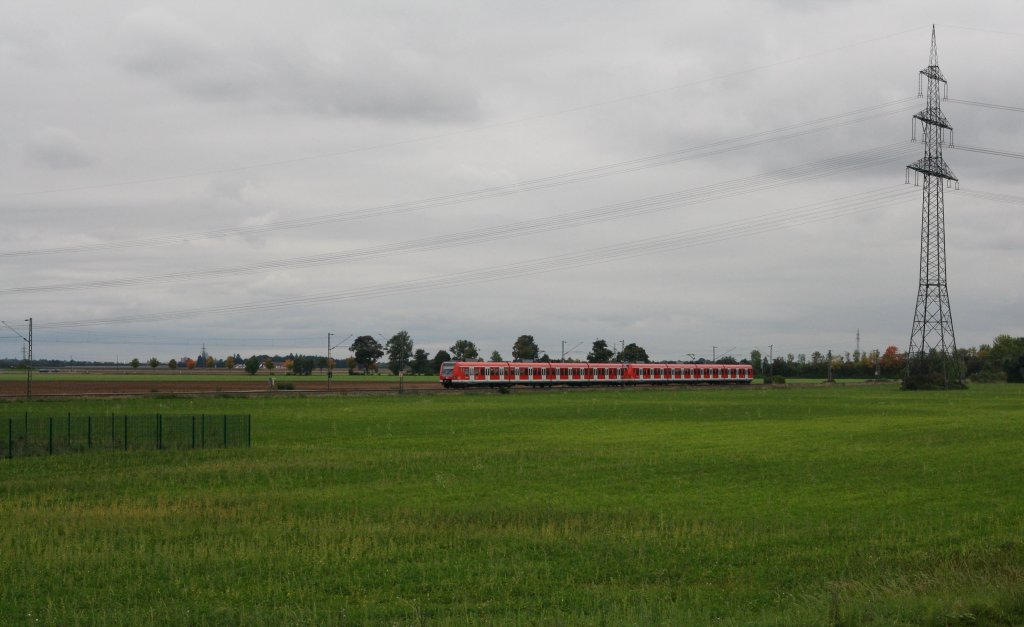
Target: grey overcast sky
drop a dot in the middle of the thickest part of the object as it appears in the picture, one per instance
(689, 176)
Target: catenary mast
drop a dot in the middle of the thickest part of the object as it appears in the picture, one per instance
(932, 342)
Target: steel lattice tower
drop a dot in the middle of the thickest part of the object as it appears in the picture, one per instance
(932, 342)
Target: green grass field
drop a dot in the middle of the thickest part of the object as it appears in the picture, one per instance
(801, 506)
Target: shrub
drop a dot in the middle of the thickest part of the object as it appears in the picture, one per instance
(989, 376)
(929, 380)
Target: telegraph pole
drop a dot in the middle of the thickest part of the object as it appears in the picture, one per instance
(932, 333)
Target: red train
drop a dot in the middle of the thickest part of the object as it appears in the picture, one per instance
(506, 373)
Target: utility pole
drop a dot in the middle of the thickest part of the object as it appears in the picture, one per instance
(932, 332)
(330, 365)
(578, 344)
(27, 354)
(771, 361)
(714, 354)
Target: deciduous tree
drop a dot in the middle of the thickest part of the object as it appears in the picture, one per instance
(441, 357)
(367, 351)
(135, 363)
(153, 362)
(421, 362)
(302, 365)
(464, 350)
(252, 364)
(399, 349)
(1007, 353)
(600, 353)
(634, 354)
(525, 349)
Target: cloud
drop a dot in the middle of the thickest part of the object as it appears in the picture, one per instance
(58, 149)
(364, 78)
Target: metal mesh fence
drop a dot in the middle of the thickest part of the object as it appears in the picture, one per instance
(50, 435)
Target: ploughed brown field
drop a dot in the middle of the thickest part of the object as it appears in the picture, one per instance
(41, 387)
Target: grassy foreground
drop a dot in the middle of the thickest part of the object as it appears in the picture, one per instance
(808, 506)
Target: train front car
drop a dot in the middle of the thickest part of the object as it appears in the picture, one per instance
(447, 373)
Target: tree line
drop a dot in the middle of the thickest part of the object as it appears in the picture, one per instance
(1002, 360)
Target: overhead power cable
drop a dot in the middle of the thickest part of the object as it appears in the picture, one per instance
(990, 151)
(988, 105)
(1005, 198)
(825, 210)
(575, 176)
(617, 211)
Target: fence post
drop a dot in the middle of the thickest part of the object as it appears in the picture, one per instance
(90, 432)
(51, 435)
(126, 432)
(69, 430)
(248, 430)
(113, 439)
(10, 438)
(225, 430)
(202, 435)
(159, 432)
(193, 431)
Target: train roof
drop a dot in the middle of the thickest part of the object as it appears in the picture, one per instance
(577, 364)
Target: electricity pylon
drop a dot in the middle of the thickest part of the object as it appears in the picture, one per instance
(932, 342)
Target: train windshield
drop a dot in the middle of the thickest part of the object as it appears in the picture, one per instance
(447, 368)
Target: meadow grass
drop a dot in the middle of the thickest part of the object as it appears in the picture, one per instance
(822, 505)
